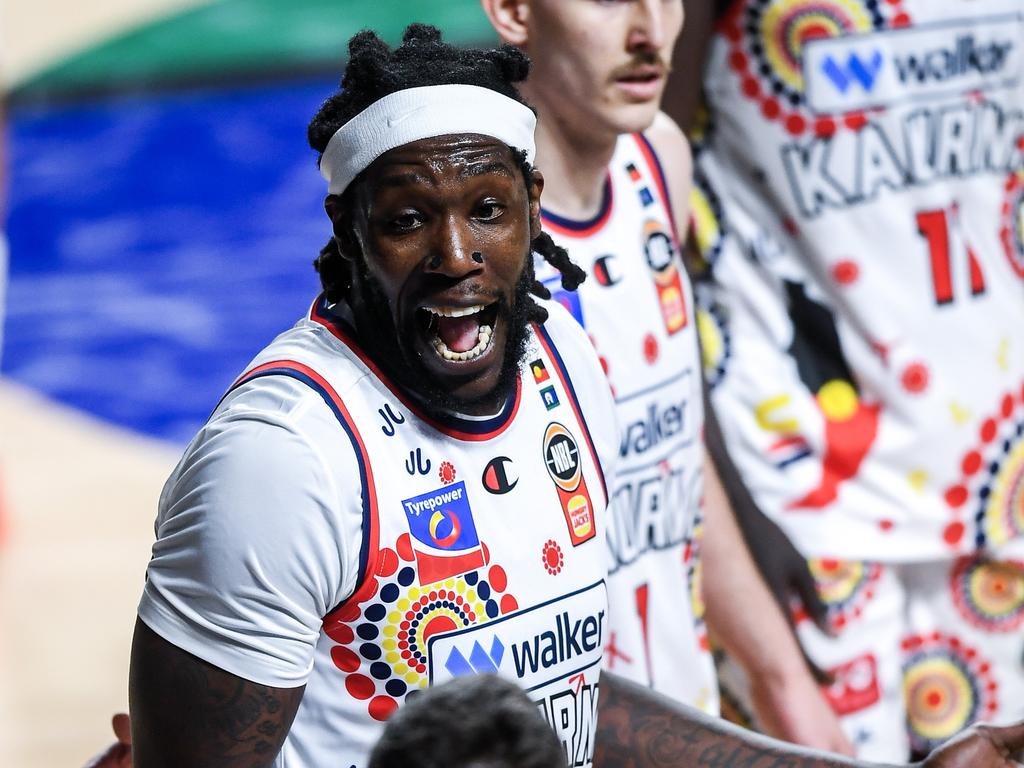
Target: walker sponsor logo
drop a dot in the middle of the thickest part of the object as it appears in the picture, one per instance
(552, 650)
(657, 425)
(537, 646)
(858, 72)
(854, 71)
(656, 417)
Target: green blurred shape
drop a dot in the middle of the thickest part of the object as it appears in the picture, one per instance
(230, 39)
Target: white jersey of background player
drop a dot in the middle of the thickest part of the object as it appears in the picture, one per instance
(598, 74)
(865, 159)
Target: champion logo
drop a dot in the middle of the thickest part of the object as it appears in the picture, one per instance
(863, 70)
(605, 272)
(498, 478)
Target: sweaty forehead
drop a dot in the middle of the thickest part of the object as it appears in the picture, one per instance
(462, 155)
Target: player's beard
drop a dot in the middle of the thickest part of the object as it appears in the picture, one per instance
(404, 366)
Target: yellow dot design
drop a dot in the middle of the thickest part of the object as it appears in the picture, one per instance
(941, 699)
(789, 24)
(1004, 513)
(838, 400)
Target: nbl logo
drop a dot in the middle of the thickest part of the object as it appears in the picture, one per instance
(659, 249)
(562, 457)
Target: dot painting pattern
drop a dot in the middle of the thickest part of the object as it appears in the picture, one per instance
(382, 640)
(766, 41)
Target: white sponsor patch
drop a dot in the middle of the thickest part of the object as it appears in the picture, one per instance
(536, 646)
(878, 69)
(553, 650)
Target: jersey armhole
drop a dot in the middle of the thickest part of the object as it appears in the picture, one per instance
(370, 544)
(654, 165)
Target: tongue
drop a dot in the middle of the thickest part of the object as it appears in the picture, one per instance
(459, 334)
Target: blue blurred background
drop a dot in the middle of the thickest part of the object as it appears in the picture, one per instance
(164, 207)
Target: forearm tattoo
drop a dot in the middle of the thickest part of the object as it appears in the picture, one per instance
(639, 729)
(188, 712)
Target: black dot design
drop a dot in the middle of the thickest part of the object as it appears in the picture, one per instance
(985, 490)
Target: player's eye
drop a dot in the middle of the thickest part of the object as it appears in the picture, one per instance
(488, 210)
(405, 220)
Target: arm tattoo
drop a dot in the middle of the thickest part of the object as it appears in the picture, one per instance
(637, 728)
(187, 712)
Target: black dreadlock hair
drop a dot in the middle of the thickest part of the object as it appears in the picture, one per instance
(374, 71)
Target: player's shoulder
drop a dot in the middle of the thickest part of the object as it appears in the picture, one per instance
(589, 383)
(673, 151)
(669, 141)
(575, 348)
(566, 333)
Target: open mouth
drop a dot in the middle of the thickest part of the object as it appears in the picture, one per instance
(459, 334)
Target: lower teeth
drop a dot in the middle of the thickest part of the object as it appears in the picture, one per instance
(483, 339)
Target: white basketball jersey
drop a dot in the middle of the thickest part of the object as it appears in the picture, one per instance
(867, 321)
(636, 306)
(482, 540)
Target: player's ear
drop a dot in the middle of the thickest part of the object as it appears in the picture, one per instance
(536, 187)
(341, 222)
(509, 18)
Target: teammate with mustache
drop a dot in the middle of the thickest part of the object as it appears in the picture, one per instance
(617, 198)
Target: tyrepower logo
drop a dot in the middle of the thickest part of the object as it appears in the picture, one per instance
(951, 58)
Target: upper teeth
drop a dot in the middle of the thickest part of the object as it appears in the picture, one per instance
(454, 311)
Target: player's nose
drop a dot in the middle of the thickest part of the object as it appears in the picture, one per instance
(452, 250)
(650, 22)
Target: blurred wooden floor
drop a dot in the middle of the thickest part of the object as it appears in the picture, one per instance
(79, 498)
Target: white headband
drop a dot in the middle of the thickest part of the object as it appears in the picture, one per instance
(423, 113)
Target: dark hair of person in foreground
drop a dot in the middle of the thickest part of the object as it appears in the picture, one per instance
(478, 721)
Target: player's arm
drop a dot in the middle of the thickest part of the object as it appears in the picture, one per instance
(740, 608)
(255, 545)
(638, 728)
(753, 630)
(187, 712)
(782, 567)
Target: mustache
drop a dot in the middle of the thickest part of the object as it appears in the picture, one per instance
(455, 289)
(643, 59)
